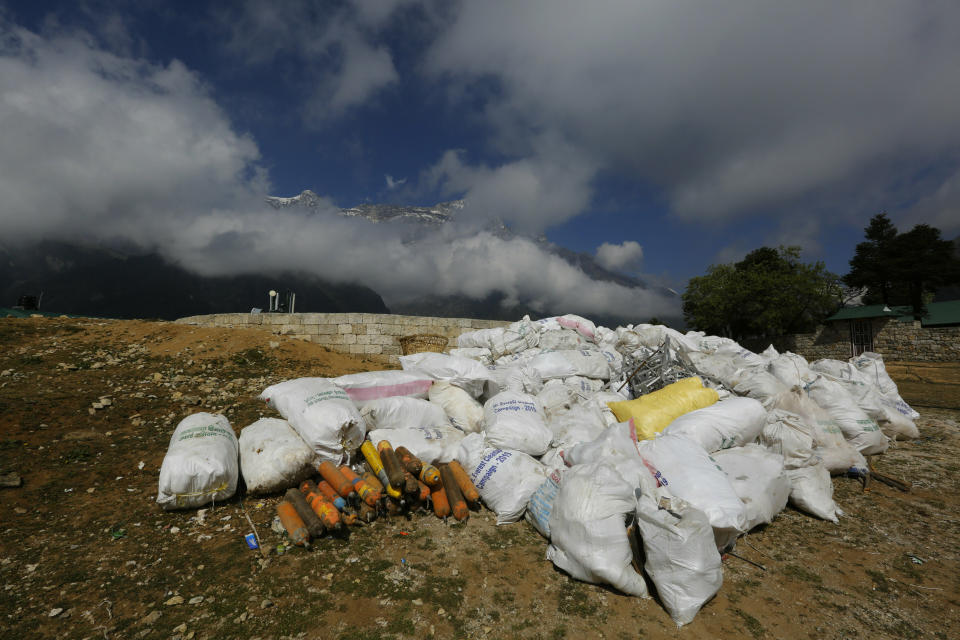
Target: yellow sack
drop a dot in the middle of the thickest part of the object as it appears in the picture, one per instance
(653, 412)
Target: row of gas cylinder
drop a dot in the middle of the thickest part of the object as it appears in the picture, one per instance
(393, 482)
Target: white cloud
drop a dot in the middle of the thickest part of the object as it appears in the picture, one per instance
(98, 144)
(103, 147)
(532, 193)
(616, 257)
(444, 263)
(394, 183)
(731, 109)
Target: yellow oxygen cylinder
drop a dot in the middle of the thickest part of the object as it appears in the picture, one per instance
(373, 459)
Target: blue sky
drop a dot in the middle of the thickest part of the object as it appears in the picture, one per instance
(693, 133)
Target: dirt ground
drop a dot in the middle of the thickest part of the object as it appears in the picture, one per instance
(86, 553)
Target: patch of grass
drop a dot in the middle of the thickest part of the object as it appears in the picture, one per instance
(879, 580)
(753, 625)
(80, 453)
(10, 444)
(573, 599)
(800, 573)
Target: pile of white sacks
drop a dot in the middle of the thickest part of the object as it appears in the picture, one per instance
(525, 410)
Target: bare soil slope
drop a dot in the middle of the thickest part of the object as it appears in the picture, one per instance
(86, 553)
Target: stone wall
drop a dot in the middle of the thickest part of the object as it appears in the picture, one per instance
(893, 339)
(374, 336)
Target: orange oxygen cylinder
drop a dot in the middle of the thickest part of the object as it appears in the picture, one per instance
(409, 461)
(441, 506)
(314, 525)
(372, 480)
(458, 506)
(430, 475)
(293, 523)
(367, 493)
(467, 487)
(324, 509)
(424, 492)
(391, 463)
(337, 480)
(331, 494)
(425, 472)
(376, 464)
(411, 486)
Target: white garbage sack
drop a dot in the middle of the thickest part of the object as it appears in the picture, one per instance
(322, 413)
(681, 555)
(873, 369)
(893, 421)
(606, 339)
(581, 423)
(587, 533)
(811, 491)
(557, 337)
(505, 479)
(601, 400)
(841, 460)
(759, 479)
(430, 444)
(837, 455)
(464, 412)
(761, 385)
(728, 423)
(789, 435)
(469, 375)
(791, 369)
(614, 360)
(691, 474)
(581, 325)
(480, 354)
(541, 501)
(717, 367)
(273, 457)
(584, 387)
(201, 463)
(501, 341)
(516, 421)
(858, 428)
(403, 412)
(513, 377)
(371, 385)
(616, 447)
(556, 398)
(742, 358)
(563, 364)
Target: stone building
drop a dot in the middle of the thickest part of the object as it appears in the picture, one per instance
(891, 331)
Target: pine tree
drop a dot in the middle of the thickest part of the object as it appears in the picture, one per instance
(871, 266)
(902, 268)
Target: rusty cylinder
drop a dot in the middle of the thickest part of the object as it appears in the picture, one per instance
(337, 480)
(391, 464)
(293, 523)
(458, 505)
(314, 525)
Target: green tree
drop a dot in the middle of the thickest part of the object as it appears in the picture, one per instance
(871, 267)
(902, 268)
(769, 293)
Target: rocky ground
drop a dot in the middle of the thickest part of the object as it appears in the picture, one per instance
(86, 412)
